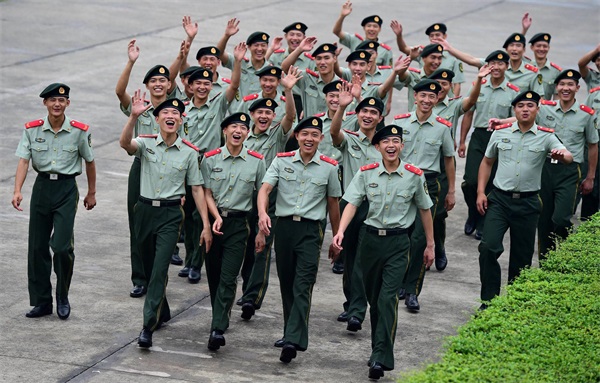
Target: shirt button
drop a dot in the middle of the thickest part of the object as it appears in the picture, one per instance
(300, 194)
(167, 149)
(164, 163)
(386, 207)
(302, 181)
(297, 207)
(229, 188)
(388, 193)
(161, 177)
(54, 149)
(53, 162)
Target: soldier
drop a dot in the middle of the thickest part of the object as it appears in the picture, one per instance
(590, 76)
(55, 145)
(590, 202)
(168, 163)
(308, 187)
(520, 148)
(540, 46)
(384, 248)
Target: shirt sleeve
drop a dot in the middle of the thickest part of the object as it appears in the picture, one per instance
(591, 134)
(141, 146)
(346, 74)
(334, 187)
(447, 143)
(272, 174)
(194, 175)
(422, 199)
(459, 75)
(230, 60)
(205, 173)
(126, 111)
(492, 147)
(24, 148)
(260, 174)
(554, 143)
(347, 39)
(355, 193)
(85, 147)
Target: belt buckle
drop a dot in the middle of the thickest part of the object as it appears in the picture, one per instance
(155, 203)
(224, 213)
(297, 218)
(553, 161)
(381, 232)
(516, 195)
(53, 176)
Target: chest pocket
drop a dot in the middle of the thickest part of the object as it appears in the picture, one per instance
(504, 150)
(246, 183)
(145, 124)
(39, 152)
(535, 153)
(317, 188)
(69, 154)
(150, 160)
(502, 109)
(311, 93)
(354, 153)
(287, 183)
(432, 147)
(403, 201)
(375, 198)
(177, 172)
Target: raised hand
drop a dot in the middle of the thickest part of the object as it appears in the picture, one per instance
(346, 96)
(137, 103)
(396, 27)
(276, 43)
(484, 71)
(191, 29)
(240, 51)
(346, 8)
(308, 43)
(526, 22)
(133, 51)
(232, 27)
(184, 49)
(415, 52)
(356, 89)
(402, 64)
(291, 78)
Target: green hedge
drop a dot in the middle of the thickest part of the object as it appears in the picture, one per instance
(546, 328)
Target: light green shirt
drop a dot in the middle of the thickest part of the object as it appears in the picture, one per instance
(249, 81)
(303, 189)
(384, 53)
(394, 198)
(244, 105)
(593, 100)
(549, 73)
(450, 109)
(451, 63)
(326, 145)
(524, 78)
(146, 122)
(592, 79)
(520, 157)
(269, 143)
(232, 179)
(304, 61)
(166, 169)
(311, 91)
(357, 151)
(493, 103)
(202, 126)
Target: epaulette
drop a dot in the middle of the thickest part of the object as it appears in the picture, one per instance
(34, 124)
(416, 70)
(186, 103)
(227, 80)
(401, 116)
(286, 154)
(531, 68)
(548, 102)
(454, 98)
(282, 98)
(80, 125)
(148, 135)
(279, 51)
(328, 160)
(503, 126)
(443, 121)
(359, 37)
(212, 152)
(555, 66)
(587, 109)
(413, 169)
(384, 67)
(255, 154)
(352, 113)
(513, 87)
(246, 59)
(351, 132)
(483, 81)
(312, 73)
(190, 145)
(184, 114)
(369, 167)
(319, 114)
(250, 97)
(385, 46)
(308, 55)
(595, 89)
(544, 129)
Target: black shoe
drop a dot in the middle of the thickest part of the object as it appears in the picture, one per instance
(216, 340)
(181, 237)
(441, 261)
(63, 309)
(279, 343)
(175, 259)
(288, 352)
(40, 311)
(138, 291)
(343, 317)
(482, 307)
(145, 338)
(375, 371)
(240, 301)
(478, 235)
(337, 268)
(469, 226)
(248, 310)
(183, 273)
(194, 275)
(354, 324)
(401, 294)
(411, 302)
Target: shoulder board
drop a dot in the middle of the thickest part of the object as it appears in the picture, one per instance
(443, 121)
(413, 169)
(544, 129)
(308, 55)
(255, 154)
(384, 67)
(80, 125)
(454, 98)
(190, 145)
(34, 123)
(148, 135)
(504, 126)
(282, 98)
(512, 86)
(587, 109)
(595, 89)
(186, 103)
(251, 97)
(246, 59)
(312, 73)
(483, 81)
(212, 152)
(531, 68)
(401, 116)
(416, 70)
(555, 66)
(279, 51)
(184, 114)
(227, 80)
(328, 160)
(548, 102)
(286, 154)
(359, 37)
(350, 113)
(385, 46)
(351, 132)
(319, 114)
(369, 167)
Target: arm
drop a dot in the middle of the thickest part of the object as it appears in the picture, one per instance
(191, 30)
(333, 206)
(397, 29)
(588, 183)
(275, 45)
(462, 56)
(262, 204)
(238, 52)
(464, 130)
(336, 123)
(562, 155)
(485, 169)
(214, 211)
(456, 89)
(137, 107)
(288, 82)
(201, 206)
(525, 23)
(133, 52)
(584, 61)
(22, 168)
(181, 58)
(90, 199)
(427, 221)
(400, 67)
(337, 27)
(470, 101)
(451, 174)
(306, 45)
(231, 29)
(347, 215)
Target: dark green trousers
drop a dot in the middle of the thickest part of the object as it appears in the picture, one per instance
(192, 227)
(352, 279)
(297, 247)
(51, 221)
(560, 186)
(520, 215)
(439, 220)
(138, 278)
(590, 203)
(157, 230)
(384, 261)
(223, 262)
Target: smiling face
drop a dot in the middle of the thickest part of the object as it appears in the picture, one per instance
(201, 88)
(446, 86)
(269, 85)
(56, 106)
(432, 62)
(332, 99)
(497, 69)
(235, 135)
(372, 30)
(358, 67)
(567, 89)
(425, 101)
(540, 49)
(526, 111)
(390, 148)
(368, 118)
(515, 51)
(325, 62)
(258, 50)
(158, 86)
(262, 118)
(209, 62)
(308, 140)
(294, 38)
(169, 120)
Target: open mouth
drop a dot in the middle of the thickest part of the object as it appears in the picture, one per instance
(170, 123)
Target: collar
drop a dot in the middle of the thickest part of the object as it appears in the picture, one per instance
(177, 143)
(315, 159)
(515, 128)
(574, 108)
(226, 154)
(66, 126)
(430, 120)
(383, 170)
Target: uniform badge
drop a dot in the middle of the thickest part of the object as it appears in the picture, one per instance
(373, 185)
(273, 71)
(444, 74)
(506, 140)
(540, 79)
(39, 139)
(355, 147)
(185, 128)
(405, 132)
(150, 151)
(217, 170)
(371, 102)
(326, 48)
(61, 90)
(289, 170)
(313, 87)
(268, 103)
(551, 118)
(425, 187)
(90, 140)
(237, 95)
(460, 67)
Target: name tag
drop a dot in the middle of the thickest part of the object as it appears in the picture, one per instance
(156, 203)
(53, 177)
(382, 233)
(297, 218)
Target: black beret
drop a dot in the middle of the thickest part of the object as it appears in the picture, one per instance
(333, 86)
(540, 37)
(442, 74)
(526, 96)
(497, 56)
(386, 131)
(208, 51)
(296, 27)
(368, 44)
(189, 70)
(157, 70)
(55, 90)
(309, 122)
(170, 103)
(427, 86)
(358, 55)
(371, 19)
(235, 118)
(200, 74)
(437, 27)
(570, 74)
(257, 37)
(324, 48)
(515, 38)
(274, 71)
(371, 102)
(431, 48)
(266, 103)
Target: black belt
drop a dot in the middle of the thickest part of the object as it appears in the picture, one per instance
(232, 213)
(297, 218)
(160, 202)
(56, 176)
(431, 176)
(517, 195)
(385, 232)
